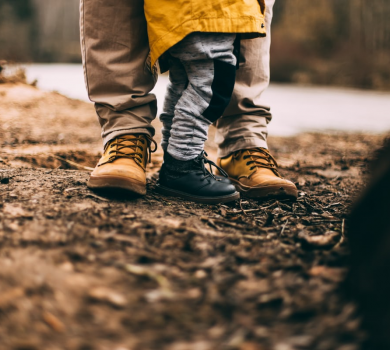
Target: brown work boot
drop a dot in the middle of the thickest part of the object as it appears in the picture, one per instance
(255, 175)
(123, 164)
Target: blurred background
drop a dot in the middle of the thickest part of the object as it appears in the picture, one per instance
(344, 45)
(328, 42)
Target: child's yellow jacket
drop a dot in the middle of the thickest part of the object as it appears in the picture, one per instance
(169, 21)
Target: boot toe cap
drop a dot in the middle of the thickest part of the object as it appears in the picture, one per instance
(129, 177)
(266, 187)
(221, 189)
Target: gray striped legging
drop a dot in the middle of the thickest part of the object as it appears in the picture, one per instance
(202, 74)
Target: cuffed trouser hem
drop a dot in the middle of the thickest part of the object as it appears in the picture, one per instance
(241, 143)
(112, 135)
(241, 132)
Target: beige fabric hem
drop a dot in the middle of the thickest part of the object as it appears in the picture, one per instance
(122, 132)
(242, 143)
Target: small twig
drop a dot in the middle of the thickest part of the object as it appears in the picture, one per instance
(332, 205)
(342, 239)
(224, 235)
(243, 210)
(161, 280)
(253, 210)
(283, 228)
(96, 196)
(212, 223)
(71, 163)
(227, 223)
(271, 205)
(73, 189)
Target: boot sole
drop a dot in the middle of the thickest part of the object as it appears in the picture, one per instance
(266, 192)
(204, 200)
(116, 183)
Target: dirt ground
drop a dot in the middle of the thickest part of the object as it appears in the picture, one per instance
(83, 271)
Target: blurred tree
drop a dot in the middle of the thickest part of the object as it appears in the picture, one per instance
(39, 30)
(58, 30)
(339, 42)
(18, 31)
(332, 42)
(23, 9)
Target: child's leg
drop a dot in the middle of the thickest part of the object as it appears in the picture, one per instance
(210, 65)
(178, 82)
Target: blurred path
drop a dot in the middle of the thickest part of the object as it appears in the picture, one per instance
(296, 109)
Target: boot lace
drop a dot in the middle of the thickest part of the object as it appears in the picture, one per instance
(202, 158)
(122, 149)
(260, 158)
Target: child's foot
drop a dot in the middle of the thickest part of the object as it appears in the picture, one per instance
(191, 180)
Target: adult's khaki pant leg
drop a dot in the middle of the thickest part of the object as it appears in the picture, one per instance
(115, 49)
(244, 123)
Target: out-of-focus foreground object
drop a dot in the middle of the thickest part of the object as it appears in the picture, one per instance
(2, 65)
(370, 252)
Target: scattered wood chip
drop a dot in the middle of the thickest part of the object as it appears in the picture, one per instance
(200, 274)
(143, 271)
(254, 286)
(16, 211)
(103, 294)
(97, 197)
(328, 273)
(326, 241)
(53, 322)
(7, 298)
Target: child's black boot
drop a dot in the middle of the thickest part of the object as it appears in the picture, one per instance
(191, 180)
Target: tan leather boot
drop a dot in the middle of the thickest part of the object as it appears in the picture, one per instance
(255, 175)
(123, 164)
